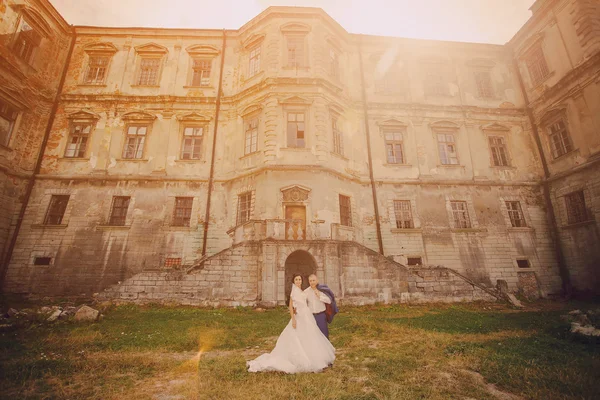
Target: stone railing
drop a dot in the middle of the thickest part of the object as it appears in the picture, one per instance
(280, 229)
(343, 232)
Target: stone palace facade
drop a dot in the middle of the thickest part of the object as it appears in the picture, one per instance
(206, 166)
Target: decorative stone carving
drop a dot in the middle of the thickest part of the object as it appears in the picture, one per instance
(295, 194)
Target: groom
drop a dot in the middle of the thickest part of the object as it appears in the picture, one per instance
(318, 297)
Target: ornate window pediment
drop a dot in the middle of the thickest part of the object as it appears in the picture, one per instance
(138, 116)
(251, 109)
(495, 127)
(391, 123)
(83, 115)
(193, 117)
(253, 41)
(296, 100)
(295, 28)
(444, 125)
(36, 20)
(103, 48)
(295, 193)
(151, 49)
(202, 50)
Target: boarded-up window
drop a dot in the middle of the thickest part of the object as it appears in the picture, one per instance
(201, 72)
(447, 149)
(182, 212)
(345, 211)
(296, 53)
(560, 141)
(254, 67)
(403, 213)
(8, 117)
(460, 214)
(118, 212)
(483, 80)
(251, 135)
(537, 66)
(295, 130)
(56, 209)
(515, 214)
(244, 208)
(191, 146)
(576, 209)
(97, 69)
(338, 142)
(149, 71)
(134, 141)
(78, 139)
(499, 152)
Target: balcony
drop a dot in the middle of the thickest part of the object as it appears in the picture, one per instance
(290, 229)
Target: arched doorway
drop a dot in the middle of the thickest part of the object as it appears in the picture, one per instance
(299, 262)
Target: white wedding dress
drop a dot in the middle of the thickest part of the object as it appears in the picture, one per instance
(303, 349)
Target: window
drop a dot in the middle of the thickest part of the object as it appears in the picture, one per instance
(254, 61)
(576, 209)
(149, 71)
(447, 149)
(26, 43)
(118, 212)
(134, 142)
(498, 149)
(536, 64)
(523, 263)
(560, 141)
(414, 261)
(201, 72)
(78, 138)
(42, 261)
(393, 147)
(338, 143)
(515, 214)
(97, 69)
(56, 209)
(345, 211)
(8, 117)
(172, 262)
(251, 135)
(183, 211)
(434, 81)
(334, 64)
(295, 129)
(484, 84)
(403, 214)
(244, 208)
(295, 47)
(460, 215)
(191, 146)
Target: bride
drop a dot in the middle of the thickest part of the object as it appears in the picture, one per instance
(301, 347)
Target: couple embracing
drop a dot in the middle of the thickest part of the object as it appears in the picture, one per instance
(303, 346)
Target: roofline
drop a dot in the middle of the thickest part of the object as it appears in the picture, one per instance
(540, 13)
(51, 10)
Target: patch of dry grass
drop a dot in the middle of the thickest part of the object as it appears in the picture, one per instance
(473, 351)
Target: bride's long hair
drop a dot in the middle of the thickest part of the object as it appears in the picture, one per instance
(287, 300)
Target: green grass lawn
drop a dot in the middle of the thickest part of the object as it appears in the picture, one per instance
(468, 351)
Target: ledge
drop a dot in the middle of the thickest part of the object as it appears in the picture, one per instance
(144, 86)
(132, 159)
(180, 228)
(450, 166)
(397, 165)
(249, 154)
(566, 155)
(340, 156)
(521, 229)
(538, 85)
(199, 87)
(295, 148)
(406, 230)
(112, 227)
(73, 159)
(44, 226)
(190, 161)
(468, 230)
(579, 224)
(92, 85)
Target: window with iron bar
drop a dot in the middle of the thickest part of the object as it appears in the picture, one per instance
(295, 51)
(394, 147)
(537, 66)
(254, 61)
(27, 42)
(295, 129)
(97, 68)
(201, 72)
(338, 142)
(499, 152)
(576, 208)
(447, 149)
(483, 80)
(134, 141)
(244, 208)
(251, 136)
(78, 139)
(560, 141)
(515, 214)
(191, 146)
(149, 69)
(345, 211)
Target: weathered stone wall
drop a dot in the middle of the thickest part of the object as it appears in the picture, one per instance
(29, 87)
(426, 285)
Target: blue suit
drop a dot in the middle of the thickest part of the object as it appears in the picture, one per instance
(334, 308)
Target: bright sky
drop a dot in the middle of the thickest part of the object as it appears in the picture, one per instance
(485, 21)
